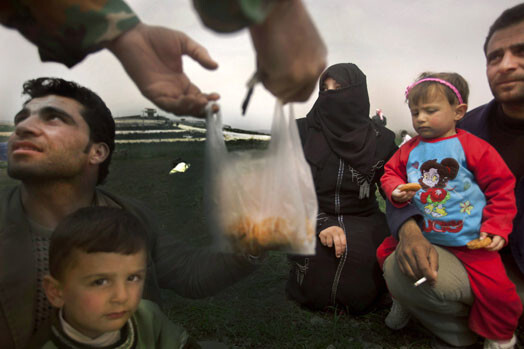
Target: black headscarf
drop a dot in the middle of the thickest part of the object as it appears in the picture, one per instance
(342, 117)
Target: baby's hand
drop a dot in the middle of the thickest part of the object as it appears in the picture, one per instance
(402, 195)
(497, 242)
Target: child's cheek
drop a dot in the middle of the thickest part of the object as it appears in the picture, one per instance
(92, 302)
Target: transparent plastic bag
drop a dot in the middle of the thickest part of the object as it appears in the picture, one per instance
(261, 199)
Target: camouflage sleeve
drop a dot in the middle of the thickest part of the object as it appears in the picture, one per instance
(231, 15)
(66, 31)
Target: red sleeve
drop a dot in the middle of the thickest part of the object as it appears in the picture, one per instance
(395, 172)
(496, 181)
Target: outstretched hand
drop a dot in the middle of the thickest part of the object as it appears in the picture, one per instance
(152, 57)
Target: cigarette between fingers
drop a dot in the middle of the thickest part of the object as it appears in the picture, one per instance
(420, 281)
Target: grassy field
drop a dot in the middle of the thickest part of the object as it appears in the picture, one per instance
(254, 313)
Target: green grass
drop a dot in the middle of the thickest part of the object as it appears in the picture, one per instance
(254, 313)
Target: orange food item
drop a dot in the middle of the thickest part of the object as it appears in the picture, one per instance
(477, 243)
(269, 233)
(273, 231)
(410, 187)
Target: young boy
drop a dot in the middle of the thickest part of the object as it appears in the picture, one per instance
(97, 266)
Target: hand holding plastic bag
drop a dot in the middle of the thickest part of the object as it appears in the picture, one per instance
(261, 199)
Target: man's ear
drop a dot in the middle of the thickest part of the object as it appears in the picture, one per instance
(460, 111)
(98, 153)
(53, 291)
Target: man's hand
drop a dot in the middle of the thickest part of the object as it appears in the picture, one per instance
(416, 256)
(290, 52)
(497, 242)
(334, 236)
(152, 57)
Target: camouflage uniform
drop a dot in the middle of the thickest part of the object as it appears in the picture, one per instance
(231, 15)
(66, 31)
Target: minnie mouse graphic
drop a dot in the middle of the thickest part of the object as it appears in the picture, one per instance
(435, 177)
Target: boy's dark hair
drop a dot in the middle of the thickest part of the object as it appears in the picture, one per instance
(509, 17)
(96, 114)
(425, 90)
(95, 229)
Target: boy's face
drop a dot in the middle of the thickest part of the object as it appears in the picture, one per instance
(101, 291)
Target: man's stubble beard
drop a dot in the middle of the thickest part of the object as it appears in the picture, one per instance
(50, 170)
(516, 97)
(44, 172)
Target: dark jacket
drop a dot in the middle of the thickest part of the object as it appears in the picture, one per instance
(476, 122)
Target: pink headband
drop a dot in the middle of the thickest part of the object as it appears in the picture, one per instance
(443, 82)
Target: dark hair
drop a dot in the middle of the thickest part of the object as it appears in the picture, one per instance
(509, 17)
(425, 90)
(95, 229)
(96, 114)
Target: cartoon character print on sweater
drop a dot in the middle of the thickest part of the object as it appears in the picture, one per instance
(434, 179)
(451, 201)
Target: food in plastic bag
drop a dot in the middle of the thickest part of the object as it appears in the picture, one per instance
(261, 199)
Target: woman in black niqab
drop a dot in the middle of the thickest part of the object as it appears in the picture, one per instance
(346, 152)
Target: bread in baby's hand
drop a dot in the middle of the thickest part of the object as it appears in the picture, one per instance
(410, 187)
(477, 243)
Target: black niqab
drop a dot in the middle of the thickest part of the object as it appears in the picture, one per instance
(342, 117)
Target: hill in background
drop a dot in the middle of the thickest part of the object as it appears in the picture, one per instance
(150, 119)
